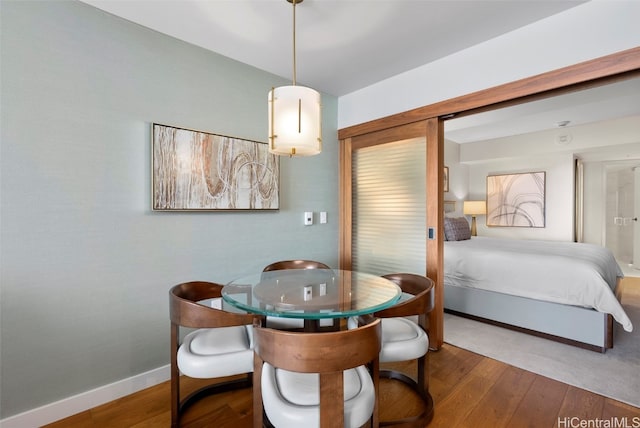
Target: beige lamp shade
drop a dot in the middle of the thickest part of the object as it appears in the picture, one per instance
(294, 121)
(474, 208)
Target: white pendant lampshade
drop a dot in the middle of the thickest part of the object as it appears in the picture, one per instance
(295, 121)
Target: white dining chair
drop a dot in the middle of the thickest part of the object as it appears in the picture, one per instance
(221, 346)
(316, 379)
(405, 337)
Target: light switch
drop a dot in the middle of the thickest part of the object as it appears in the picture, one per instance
(308, 218)
(323, 217)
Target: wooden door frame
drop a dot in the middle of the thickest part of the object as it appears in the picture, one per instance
(430, 119)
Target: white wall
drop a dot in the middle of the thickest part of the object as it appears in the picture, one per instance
(458, 177)
(558, 201)
(585, 32)
(85, 265)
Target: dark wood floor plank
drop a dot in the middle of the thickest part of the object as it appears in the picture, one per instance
(496, 408)
(581, 404)
(448, 367)
(464, 398)
(541, 404)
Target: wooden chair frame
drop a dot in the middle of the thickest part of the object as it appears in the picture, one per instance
(423, 302)
(186, 312)
(328, 354)
(295, 264)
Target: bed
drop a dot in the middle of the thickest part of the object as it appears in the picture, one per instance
(560, 290)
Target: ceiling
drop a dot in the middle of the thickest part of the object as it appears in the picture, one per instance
(342, 45)
(599, 104)
(345, 45)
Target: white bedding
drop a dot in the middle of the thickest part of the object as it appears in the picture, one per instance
(561, 272)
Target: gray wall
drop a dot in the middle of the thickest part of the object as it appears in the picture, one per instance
(85, 264)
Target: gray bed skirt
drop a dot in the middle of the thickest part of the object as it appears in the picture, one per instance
(583, 327)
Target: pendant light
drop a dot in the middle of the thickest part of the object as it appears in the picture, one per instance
(294, 115)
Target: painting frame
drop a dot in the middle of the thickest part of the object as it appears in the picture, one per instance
(202, 171)
(516, 200)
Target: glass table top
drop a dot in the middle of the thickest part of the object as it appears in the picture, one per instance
(311, 293)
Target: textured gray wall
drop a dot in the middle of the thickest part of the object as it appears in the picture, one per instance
(85, 264)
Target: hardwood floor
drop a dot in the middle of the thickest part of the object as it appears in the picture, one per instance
(469, 390)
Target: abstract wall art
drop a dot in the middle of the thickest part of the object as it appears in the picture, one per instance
(194, 170)
(516, 200)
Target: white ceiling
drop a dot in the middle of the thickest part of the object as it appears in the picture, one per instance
(600, 104)
(345, 45)
(342, 45)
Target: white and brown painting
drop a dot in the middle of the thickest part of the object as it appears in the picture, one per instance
(200, 171)
(516, 200)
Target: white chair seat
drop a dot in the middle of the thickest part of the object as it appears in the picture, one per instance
(217, 352)
(402, 340)
(293, 399)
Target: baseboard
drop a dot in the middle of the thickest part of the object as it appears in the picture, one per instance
(78, 403)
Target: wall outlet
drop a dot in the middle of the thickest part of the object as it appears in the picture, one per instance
(308, 218)
(307, 291)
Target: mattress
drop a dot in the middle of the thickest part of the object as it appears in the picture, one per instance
(561, 272)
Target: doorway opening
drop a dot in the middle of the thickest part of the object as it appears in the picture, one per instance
(621, 230)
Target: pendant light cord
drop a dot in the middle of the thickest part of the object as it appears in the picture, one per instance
(294, 42)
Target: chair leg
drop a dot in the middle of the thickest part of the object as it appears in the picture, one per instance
(175, 378)
(423, 378)
(375, 374)
(258, 416)
(421, 388)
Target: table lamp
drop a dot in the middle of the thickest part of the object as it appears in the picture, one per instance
(474, 208)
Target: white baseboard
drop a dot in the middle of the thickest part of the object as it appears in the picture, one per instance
(78, 403)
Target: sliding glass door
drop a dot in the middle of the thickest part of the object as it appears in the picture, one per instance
(391, 199)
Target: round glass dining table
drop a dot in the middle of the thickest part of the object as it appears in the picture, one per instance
(311, 294)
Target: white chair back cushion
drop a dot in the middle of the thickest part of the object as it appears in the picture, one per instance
(292, 399)
(216, 352)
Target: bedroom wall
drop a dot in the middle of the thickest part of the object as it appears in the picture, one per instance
(558, 197)
(458, 178)
(85, 265)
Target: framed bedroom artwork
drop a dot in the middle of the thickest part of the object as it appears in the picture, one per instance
(199, 171)
(516, 200)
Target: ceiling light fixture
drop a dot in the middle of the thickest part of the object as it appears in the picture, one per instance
(295, 123)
